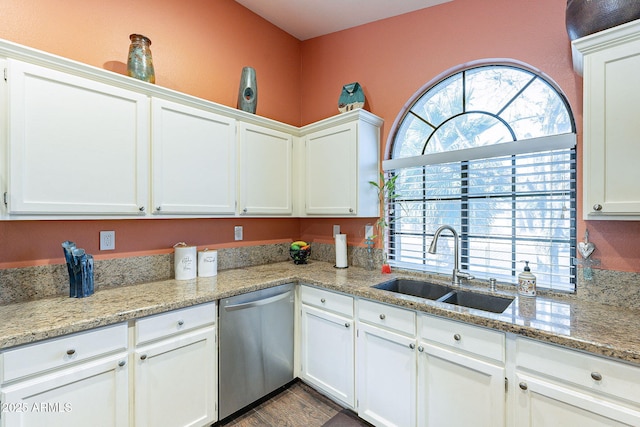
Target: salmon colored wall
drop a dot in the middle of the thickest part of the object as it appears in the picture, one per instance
(392, 59)
(199, 48)
(26, 243)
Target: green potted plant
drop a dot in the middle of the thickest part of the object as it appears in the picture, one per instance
(386, 193)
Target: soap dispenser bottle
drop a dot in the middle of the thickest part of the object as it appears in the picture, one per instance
(527, 282)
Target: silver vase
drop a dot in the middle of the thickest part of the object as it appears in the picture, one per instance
(248, 92)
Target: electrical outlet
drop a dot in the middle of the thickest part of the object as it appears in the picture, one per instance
(368, 231)
(107, 240)
(237, 232)
(336, 230)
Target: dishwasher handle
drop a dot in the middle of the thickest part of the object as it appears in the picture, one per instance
(258, 302)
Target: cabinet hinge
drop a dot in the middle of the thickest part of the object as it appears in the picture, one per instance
(506, 385)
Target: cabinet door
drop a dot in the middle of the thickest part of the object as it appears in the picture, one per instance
(386, 377)
(176, 381)
(331, 171)
(89, 394)
(76, 146)
(193, 159)
(458, 390)
(327, 353)
(611, 129)
(266, 157)
(540, 403)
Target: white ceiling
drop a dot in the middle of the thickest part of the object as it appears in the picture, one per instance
(305, 19)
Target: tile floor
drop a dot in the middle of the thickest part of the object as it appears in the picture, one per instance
(297, 406)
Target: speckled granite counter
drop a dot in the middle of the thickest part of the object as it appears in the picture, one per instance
(600, 329)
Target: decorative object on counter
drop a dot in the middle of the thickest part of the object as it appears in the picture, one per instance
(248, 91)
(586, 249)
(68, 247)
(386, 194)
(351, 97)
(300, 251)
(80, 268)
(139, 61)
(207, 263)
(341, 251)
(184, 262)
(527, 282)
(584, 17)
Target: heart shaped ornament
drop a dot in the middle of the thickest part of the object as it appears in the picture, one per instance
(586, 249)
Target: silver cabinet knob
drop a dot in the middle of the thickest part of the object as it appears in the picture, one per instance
(71, 352)
(412, 346)
(382, 317)
(597, 207)
(523, 386)
(143, 357)
(457, 337)
(244, 211)
(122, 363)
(347, 324)
(597, 376)
(322, 300)
(350, 210)
(180, 322)
(158, 208)
(141, 208)
(420, 349)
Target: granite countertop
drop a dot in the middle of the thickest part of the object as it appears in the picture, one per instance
(596, 328)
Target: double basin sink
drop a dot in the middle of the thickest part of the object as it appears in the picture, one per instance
(447, 294)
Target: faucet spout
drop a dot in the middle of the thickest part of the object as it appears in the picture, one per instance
(457, 274)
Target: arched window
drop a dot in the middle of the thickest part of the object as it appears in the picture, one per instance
(489, 150)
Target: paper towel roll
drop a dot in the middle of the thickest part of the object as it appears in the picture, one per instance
(184, 262)
(207, 263)
(341, 251)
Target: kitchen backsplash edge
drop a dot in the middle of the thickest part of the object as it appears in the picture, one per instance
(29, 283)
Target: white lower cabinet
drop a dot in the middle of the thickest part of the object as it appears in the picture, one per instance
(176, 371)
(461, 375)
(77, 380)
(386, 374)
(328, 343)
(561, 387)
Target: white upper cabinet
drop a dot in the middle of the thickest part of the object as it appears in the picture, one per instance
(341, 157)
(193, 160)
(265, 171)
(611, 63)
(82, 142)
(75, 145)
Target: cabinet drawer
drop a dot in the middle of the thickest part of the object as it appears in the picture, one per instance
(461, 336)
(327, 300)
(165, 324)
(387, 316)
(596, 373)
(58, 352)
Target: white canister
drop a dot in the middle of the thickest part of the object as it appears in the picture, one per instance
(184, 262)
(207, 263)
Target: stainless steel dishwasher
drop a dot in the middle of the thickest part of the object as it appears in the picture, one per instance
(256, 346)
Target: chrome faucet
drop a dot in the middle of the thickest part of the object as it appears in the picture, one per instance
(457, 274)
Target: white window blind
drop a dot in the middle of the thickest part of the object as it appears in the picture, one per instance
(506, 209)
